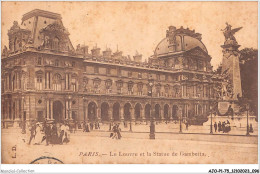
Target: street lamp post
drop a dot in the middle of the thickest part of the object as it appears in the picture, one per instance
(152, 126)
(247, 125)
(211, 131)
(181, 122)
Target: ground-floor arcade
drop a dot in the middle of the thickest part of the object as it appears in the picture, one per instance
(93, 108)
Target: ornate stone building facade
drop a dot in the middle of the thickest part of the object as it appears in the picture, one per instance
(45, 78)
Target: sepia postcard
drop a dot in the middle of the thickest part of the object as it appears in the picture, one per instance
(129, 83)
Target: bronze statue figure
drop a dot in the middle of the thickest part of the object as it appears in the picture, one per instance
(229, 33)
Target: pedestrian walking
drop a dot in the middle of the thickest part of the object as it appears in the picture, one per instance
(54, 135)
(187, 125)
(114, 133)
(215, 126)
(87, 128)
(62, 133)
(251, 130)
(118, 130)
(38, 135)
(47, 131)
(32, 131)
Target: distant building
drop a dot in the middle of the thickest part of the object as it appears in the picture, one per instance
(45, 78)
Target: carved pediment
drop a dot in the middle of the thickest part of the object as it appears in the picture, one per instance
(197, 51)
(56, 28)
(56, 37)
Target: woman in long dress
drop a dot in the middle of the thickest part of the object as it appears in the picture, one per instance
(38, 135)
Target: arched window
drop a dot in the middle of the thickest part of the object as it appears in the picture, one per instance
(15, 43)
(57, 82)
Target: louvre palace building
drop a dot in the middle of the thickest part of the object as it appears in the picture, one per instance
(45, 78)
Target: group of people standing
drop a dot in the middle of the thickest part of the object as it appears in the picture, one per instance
(51, 133)
(224, 126)
(87, 127)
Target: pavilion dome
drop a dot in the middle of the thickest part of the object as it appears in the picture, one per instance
(179, 40)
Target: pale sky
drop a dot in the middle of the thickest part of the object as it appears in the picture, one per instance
(140, 26)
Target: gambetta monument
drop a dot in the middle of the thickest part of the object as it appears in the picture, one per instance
(230, 74)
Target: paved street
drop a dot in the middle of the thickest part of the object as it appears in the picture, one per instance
(96, 147)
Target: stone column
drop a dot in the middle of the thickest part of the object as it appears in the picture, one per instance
(182, 90)
(170, 112)
(141, 113)
(99, 113)
(46, 80)
(47, 109)
(109, 114)
(161, 113)
(70, 111)
(121, 113)
(51, 108)
(66, 110)
(144, 113)
(132, 114)
(68, 106)
(17, 109)
(9, 109)
(50, 80)
(86, 111)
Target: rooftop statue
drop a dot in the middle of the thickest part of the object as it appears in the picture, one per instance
(229, 33)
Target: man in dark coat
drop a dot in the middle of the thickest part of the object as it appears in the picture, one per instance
(215, 126)
(47, 131)
(219, 126)
(54, 134)
(224, 127)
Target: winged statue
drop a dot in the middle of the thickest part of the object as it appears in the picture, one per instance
(229, 33)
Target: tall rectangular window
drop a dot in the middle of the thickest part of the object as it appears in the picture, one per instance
(67, 81)
(108, 71)
(39, 82)
(96, 70)
(119, 72)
